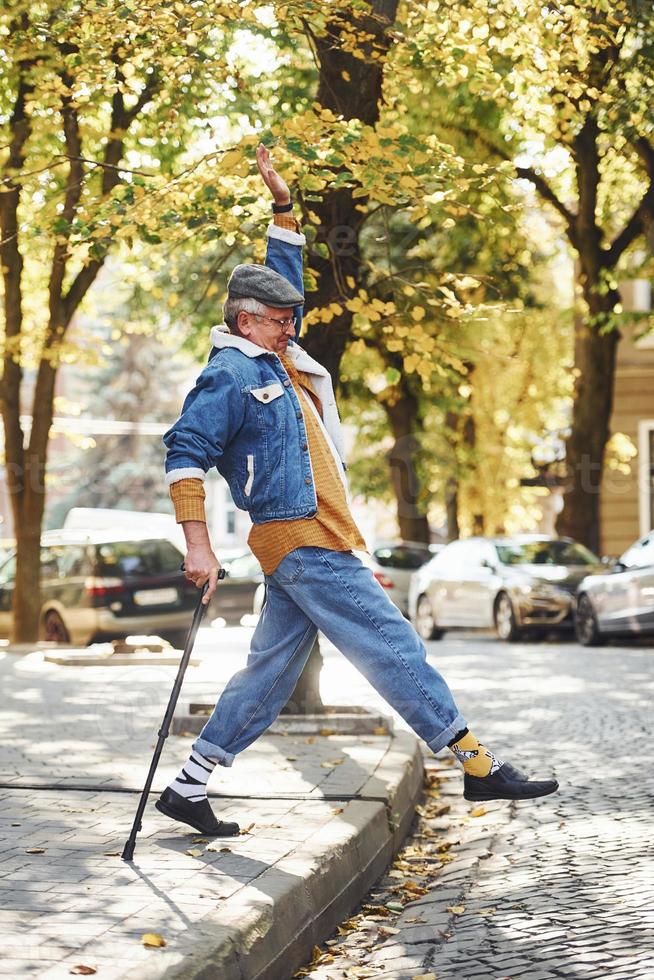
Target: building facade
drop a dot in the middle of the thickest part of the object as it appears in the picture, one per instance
(627, 488)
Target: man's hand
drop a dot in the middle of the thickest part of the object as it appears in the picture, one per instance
(275, 184)
(200, 566)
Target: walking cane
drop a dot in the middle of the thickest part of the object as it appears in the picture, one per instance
(128, 850)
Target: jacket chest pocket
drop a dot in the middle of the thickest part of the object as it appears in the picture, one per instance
(267, 405)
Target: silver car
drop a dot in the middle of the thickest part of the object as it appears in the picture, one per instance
(515, 584)
(622, 602)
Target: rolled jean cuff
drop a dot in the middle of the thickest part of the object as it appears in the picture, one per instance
(212, 751)
(442, 739)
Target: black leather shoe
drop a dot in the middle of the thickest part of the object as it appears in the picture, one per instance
(506, 783)
(200, 816)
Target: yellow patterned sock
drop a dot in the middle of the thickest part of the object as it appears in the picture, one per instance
(473, 756)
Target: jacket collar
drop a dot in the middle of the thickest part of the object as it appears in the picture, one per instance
(221, 337)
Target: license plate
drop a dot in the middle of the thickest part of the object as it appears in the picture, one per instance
(155, 597)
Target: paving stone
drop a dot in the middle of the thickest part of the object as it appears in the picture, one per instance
(567, 876)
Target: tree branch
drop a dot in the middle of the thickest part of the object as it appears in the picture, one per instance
(643, 215)
(121, 119)
(73, 193)
(547, 193)
(537, 179)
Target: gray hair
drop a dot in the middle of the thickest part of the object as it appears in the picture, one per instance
(233, 306)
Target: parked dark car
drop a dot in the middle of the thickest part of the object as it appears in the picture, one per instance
(99, 585)
(620, 603)
(394, 563)
(516, 584)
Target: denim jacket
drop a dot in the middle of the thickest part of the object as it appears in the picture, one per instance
(243, 415)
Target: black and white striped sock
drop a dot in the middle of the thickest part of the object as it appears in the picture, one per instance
(191, 781)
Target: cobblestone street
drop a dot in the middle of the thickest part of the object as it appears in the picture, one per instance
(563, 887)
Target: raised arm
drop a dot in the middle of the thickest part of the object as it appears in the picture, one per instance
(285, 242)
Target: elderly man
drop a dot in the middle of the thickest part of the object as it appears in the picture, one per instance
(263, 413)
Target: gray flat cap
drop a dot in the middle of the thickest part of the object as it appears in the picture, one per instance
(259, 282)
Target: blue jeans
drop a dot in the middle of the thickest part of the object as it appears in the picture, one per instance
(333, 591)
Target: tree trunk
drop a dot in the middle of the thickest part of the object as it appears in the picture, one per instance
(403, 416)
(470, 440)
(305, 699)
(452, 508)
(595, 357)
(358, 98)
(27, 586)
(451, 493)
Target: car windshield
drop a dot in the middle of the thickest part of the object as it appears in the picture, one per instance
(402, 556)
(640, 555)
(149, 557)
(556, 552)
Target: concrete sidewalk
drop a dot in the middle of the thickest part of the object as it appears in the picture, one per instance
(324, 815)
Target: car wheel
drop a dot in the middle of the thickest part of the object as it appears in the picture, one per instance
(586, 628)
(54, 628)
(425, 624)
(505, 622)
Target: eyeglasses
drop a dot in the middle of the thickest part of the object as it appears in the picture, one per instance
(283, 324)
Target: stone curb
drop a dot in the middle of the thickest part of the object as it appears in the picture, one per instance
(344, 723)
(268, 930)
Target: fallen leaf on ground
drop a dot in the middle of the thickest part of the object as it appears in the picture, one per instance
(410, 886)
(153, 939)
(387, 931)
(424, 976)
(380, 730)
(338, 809)
(111, 854)
(456, 909)
(479, 811)
(35, 850)
(82, 970)
(310, 740)
(416, 918)
(376, 910)
(348, 926)
(201, 840)
(291, 758)
(326, 731)
(318, 957)
(246, 830)
(486, 911)
(193, 852)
